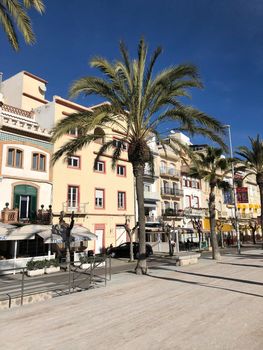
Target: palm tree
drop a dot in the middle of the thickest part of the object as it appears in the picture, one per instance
(212, 166)
(13, 12)
(138, 104)
(252, 162)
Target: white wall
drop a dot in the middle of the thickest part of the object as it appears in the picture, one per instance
(26, 171)
(12, 89)
(6, 195)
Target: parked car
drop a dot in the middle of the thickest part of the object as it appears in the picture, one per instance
(123, 250)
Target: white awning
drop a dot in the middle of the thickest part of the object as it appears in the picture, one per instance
(14, 233)
(50, 237)
(84, 236)
(49, 233)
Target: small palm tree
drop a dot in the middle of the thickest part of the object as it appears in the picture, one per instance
(252, 162)
(212, 166)
(13, 12)
(138, 104)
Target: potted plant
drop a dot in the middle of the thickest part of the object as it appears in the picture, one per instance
(35, 268)
(51, 266)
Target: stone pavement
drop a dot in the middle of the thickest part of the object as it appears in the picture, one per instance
(206, 306)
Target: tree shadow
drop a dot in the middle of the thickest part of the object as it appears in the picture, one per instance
(247, 265)
(220, 277)
(205, 285)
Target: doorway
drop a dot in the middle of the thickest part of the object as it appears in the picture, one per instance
(25, 199)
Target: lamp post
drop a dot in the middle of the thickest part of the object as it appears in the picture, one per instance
(234, 191)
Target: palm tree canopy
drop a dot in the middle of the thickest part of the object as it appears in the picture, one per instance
(14, 12)
(138, 104)
(252, 159)
(212, 166)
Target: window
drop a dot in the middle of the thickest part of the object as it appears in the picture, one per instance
(100, 136)
(163, 168)
(121, 170)
(121, 200)
(117, 143)
(39, 162)
(73, 197)
(195, 203)
(99, 198)
(73, 132)
(100, 167)
(172, 169)
(147, 187)
(187, 202)
(14, 157)
(74, 162)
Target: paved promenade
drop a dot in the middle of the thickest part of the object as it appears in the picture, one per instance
(206, 306)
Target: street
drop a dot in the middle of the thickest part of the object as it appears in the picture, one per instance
(212, 304)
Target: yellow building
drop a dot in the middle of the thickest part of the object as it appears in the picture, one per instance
(100, 198)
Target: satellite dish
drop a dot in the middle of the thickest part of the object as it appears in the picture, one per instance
(42, 89)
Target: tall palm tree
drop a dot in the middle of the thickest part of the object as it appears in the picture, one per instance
(252, 162)
(212, 166)
(14, 13)
(138, 105)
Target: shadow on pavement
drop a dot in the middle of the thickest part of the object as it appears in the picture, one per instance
(247, 265)
(206, 285)
(212, 276)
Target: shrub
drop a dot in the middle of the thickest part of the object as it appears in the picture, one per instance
(84, 259)
(52, 262)
(35, 265)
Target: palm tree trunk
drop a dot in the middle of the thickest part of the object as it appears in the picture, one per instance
(212, 214)
(141, 268)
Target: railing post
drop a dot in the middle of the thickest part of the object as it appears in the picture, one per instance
(9, 300)
(69, 277)
(22, 286)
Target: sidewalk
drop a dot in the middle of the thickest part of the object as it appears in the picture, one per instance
(206, 306)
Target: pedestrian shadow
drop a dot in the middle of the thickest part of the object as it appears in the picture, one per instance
(204, 285)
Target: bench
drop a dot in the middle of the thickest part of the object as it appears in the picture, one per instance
(187, 259)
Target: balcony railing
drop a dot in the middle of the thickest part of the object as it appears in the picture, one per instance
(9, 216)
(170, 172)
(173, 212)
(81, 208)
(194, 212)
(245, 215)
(151, 195)
(172, 191)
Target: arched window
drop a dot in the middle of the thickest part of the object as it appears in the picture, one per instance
(100, 135)
(163, 168)
(172, 169)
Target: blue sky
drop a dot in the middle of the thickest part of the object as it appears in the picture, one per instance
(223, 38)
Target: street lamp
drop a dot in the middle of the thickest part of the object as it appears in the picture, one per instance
(233, 190)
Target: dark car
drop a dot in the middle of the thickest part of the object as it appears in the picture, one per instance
(123, 250)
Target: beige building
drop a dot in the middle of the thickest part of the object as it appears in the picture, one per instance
(100, 198)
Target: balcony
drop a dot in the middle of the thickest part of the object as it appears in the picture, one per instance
(170, 172)
(81, 208)
(245, 215)
(169, 191)
(9, 216)
(154, 196)
(194, 212)
(173, 212)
